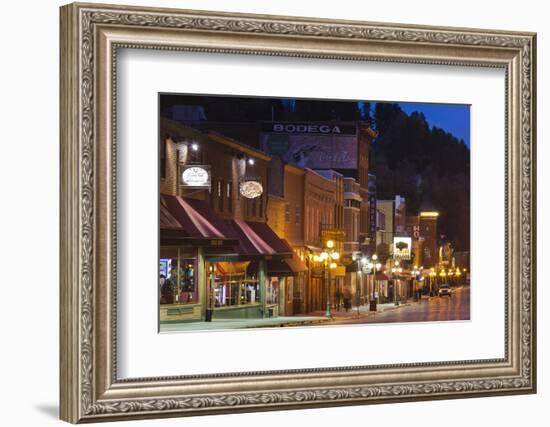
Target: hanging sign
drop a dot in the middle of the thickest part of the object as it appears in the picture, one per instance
(195, 177)
(402, 247)
(251, 189)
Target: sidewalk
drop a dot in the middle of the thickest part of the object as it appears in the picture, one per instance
(314, 318)
(221, 324)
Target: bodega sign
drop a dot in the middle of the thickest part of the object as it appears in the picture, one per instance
(310, 128)
(195, 177)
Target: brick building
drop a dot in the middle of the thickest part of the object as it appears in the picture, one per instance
(215, 244)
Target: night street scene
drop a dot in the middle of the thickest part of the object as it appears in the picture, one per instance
(277, 212)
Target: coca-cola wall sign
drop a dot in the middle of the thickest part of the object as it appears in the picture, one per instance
(312, 145)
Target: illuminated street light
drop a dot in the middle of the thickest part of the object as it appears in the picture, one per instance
(194, 146)
(375, 266)
(329, 254)
(251, 161)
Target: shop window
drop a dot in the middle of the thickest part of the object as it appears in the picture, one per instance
(298, 287)
(229, 197)
(287, 213)
(194, 156)
(272, 291)
(178, 281)
(220, 195)
(234, 283)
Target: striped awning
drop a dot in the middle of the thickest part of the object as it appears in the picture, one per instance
(183, 218)
(191, 218)
(257, 238)
(286, 267)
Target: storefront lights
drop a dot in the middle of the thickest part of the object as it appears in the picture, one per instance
(335, 256)
(324, 256)
(330, 244)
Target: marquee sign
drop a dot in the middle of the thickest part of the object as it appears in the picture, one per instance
(195, 176)
(251, 189)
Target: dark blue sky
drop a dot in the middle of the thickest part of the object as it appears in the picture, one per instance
(453, 118)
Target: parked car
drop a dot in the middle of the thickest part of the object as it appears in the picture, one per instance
(445, 290)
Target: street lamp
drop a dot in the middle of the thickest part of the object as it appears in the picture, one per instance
(443, 275)
(327, 257)
(363, 263)
(374, 267)
(433, 276)
(396, 269)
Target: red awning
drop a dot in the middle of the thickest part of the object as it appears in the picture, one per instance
(194, 220)
(190, 218)
(286, 267)
(381, 276)
(257, 238)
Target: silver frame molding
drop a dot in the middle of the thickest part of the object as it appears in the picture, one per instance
(90, 37)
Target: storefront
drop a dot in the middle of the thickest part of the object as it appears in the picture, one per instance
(285, 285)
(189, 231)
(221, 269)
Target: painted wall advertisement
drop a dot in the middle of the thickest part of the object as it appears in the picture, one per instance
(312, 145)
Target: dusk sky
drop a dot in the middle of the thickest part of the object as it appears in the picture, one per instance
(453, 118)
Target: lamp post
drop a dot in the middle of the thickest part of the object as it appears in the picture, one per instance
(396, 269)
(374, 267)
(443, 275)
(363, 264)
(433, 276)
(329, 255)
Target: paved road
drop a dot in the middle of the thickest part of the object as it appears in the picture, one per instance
(456, 307)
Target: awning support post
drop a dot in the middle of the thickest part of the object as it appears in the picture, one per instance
(262, 267)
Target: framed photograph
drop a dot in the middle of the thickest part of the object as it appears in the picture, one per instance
(266, 212)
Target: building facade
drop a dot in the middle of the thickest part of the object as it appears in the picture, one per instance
(218, 256)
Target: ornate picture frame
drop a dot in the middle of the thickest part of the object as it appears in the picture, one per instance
(90, 37)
